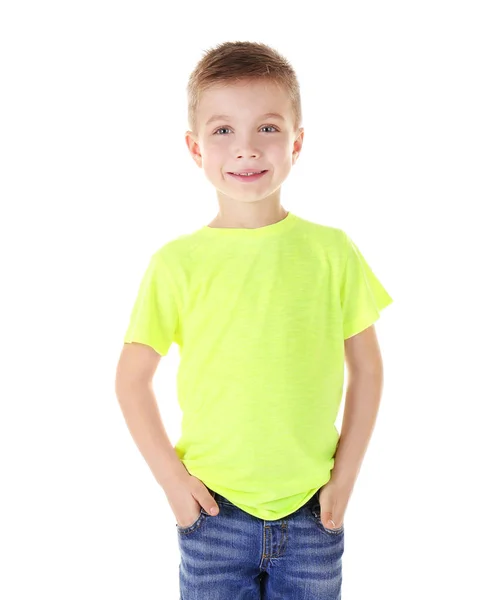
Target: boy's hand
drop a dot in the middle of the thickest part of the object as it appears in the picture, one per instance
(186, 498)
(333, 503)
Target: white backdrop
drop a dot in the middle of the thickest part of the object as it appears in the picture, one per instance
(403, 149)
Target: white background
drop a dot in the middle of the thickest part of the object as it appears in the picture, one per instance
(403, 117)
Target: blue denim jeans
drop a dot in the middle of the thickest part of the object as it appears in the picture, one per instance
(236, 556)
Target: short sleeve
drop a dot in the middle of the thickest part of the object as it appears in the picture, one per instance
(362, 294)
(154, 316)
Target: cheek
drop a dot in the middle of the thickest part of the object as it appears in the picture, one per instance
(214, 152)
(279, 155)
(213, 156)
(277, 149)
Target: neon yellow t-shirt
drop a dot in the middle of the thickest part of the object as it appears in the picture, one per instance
(260, 317)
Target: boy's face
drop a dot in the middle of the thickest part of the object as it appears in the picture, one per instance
(245, 140)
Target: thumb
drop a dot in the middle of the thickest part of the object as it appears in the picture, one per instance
(326, 518)
(209, 504)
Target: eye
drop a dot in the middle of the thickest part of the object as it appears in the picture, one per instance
(269, 126)
(272, 126)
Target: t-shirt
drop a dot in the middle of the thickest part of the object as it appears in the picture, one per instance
(260, 317)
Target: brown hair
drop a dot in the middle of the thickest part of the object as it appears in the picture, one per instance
(233, 62)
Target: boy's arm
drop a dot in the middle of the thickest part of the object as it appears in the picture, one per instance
(365, 382)
(133, 385)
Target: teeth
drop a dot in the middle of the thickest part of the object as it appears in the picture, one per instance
(248, 174)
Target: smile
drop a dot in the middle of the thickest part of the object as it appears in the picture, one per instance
(253, 177)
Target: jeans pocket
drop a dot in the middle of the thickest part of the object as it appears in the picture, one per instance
(337, 531)
(199, 521)
(193, 526)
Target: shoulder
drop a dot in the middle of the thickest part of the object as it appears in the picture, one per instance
(180, 252)
(334, 236)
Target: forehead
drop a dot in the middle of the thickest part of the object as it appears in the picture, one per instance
(247, 99)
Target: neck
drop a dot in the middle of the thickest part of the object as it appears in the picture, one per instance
(249, 216)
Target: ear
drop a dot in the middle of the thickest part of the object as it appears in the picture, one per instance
(193, 146)
(298, 144)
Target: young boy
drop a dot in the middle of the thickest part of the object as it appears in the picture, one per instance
(266, 307)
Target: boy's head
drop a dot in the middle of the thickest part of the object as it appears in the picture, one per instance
(239, 83)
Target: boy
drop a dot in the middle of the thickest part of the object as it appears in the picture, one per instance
(266, 307)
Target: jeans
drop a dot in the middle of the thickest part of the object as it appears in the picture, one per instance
(236, 556)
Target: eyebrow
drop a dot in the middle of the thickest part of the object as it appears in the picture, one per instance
(226, 117)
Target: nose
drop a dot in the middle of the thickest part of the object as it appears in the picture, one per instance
(246, 149)
(244, 154)
(246, 158)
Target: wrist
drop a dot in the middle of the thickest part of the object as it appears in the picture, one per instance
(342, 480)
(175, 476)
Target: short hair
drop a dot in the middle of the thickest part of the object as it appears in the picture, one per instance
(234, 62)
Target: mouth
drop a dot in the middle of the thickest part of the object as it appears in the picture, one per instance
(256, 175)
